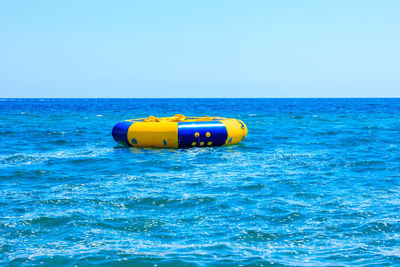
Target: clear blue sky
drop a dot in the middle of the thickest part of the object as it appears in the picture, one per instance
(200, 48)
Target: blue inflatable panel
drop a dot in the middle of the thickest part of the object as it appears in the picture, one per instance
(201, 133)
(120, 132)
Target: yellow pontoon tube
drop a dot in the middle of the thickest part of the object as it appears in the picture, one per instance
(179, 131)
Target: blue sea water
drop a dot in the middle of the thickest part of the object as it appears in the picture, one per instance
(316, 182)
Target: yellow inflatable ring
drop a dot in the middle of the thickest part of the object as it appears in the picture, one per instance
(179, 131)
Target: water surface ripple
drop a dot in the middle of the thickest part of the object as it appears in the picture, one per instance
(316, 182)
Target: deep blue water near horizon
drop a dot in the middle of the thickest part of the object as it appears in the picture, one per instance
(316, 182)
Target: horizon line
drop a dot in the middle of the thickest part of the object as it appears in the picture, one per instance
(357, 97)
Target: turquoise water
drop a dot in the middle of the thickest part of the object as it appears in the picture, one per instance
(316, 182)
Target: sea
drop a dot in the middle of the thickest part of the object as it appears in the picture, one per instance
(315, 183)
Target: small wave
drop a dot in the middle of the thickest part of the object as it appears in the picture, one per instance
(130, 224)
(329, 132)
(47, 221)
(34, 158)
(7, 132)
(253, 187)
(56, 133)
(390, 252)
(378, 227)
(43, 172)
(20, 158)
(298, 117)
(162, 201)
(256, 235)
(289, 218)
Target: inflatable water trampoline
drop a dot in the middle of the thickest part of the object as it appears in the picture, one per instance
(179, 131)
